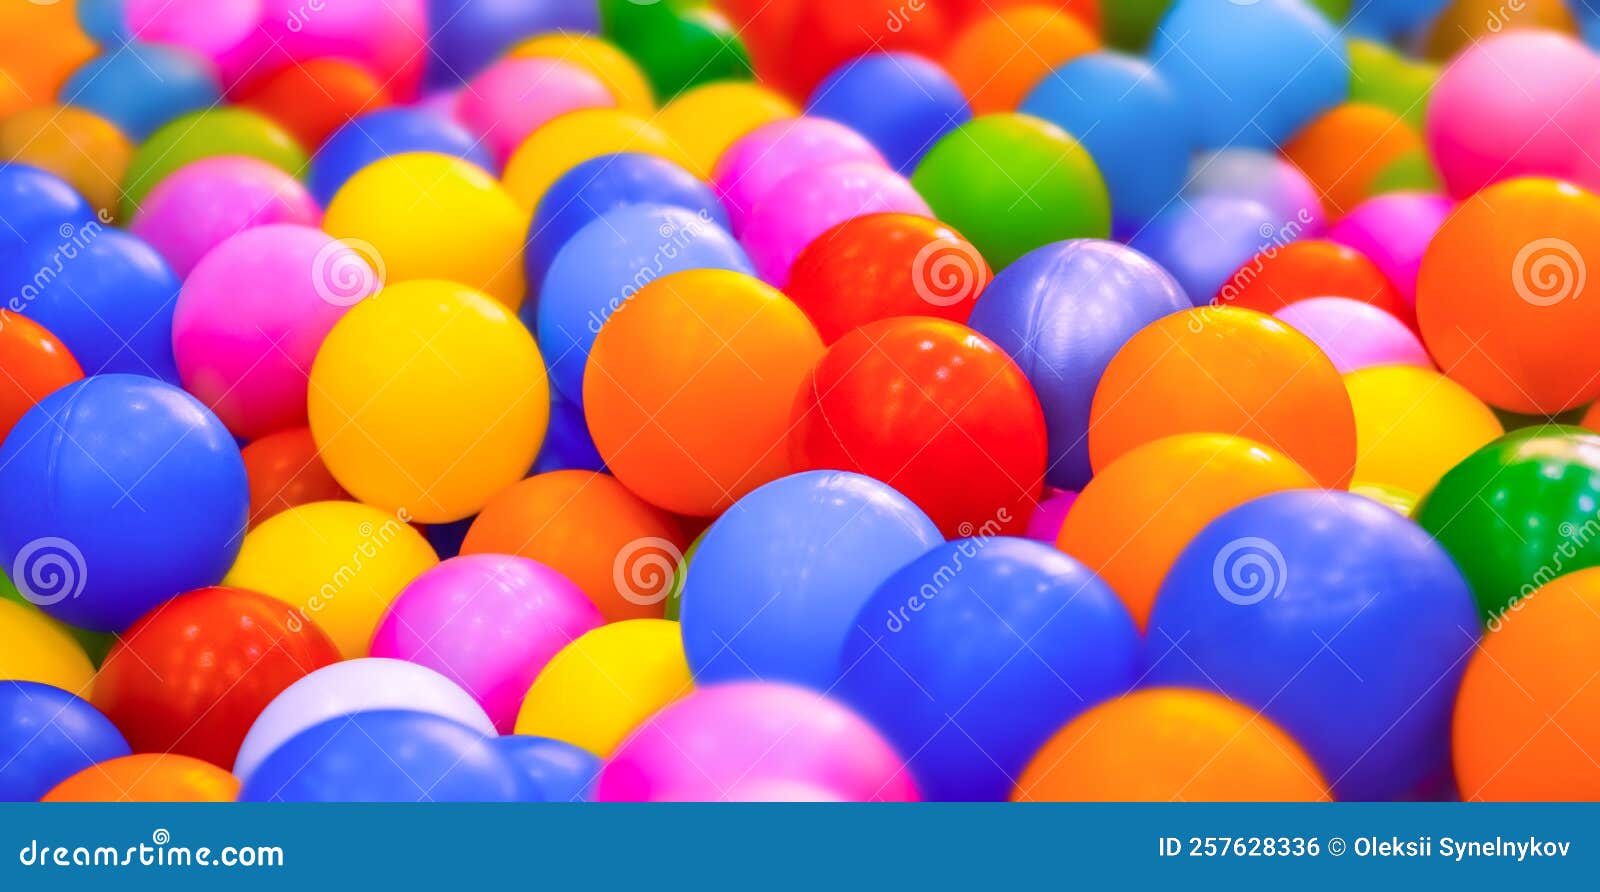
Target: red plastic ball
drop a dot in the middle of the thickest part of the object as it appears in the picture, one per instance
(33, 364)
(191, 676)
(1280, 276)
(313, 99)
(285, 470)
(935, 410)
(884, 265)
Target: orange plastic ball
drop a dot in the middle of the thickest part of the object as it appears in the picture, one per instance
(1466, 22)
(40, 46)
(689, 385)
(1000, 57)
(76, 145)
(35, 364)
(285, 470)
(1228, 371)
(1504, 300)
(312, 99)
(1131, 521)
(1171, 745)
(590, 529)
(148, 777)
(1310, 268)
(1346, 150)
(1527, 719)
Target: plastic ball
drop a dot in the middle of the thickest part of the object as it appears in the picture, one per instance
(387, 37)
(600, 687)
(355, 686)
(704, 121)
(103, 20)
(35, 205)
(303, 557)
(312, 100)
(572, 139)
(46, 736)
(37, 648)
(1361, 627)
(919, 403)
(779, 579)
(487, 622)
(1345, 151)
(688, 392)
(557, 771)
(602, 267)
(209, 28)
(428, 400)
(467, 35)
(1202, 242)
(1393, 232)
(1266, 177)
(1463, 24)
(285, 471)
(37, 364)
(202, 205)
(191, 677)
(1251, 74)
(879, 266)
(1002, 54)
(1227, 371)
(1500, 296)
(1413, 425)
(1012, 183)
(1385, 76)
(1525, 716)
(377, 135)
(620, 74)
(1044, 524)
(1280, 276)
(901, 102)
(679, 45)
(516, 96)
(1518, 104)
(147, 777)
(1355, 335)
(38, 66)
(93, 644)
(252, 315)
(206, 134)
(1171, 745)
(101, 525)
(753, 167)
(1062, 311)
(141, 86)
(76, 145)
(724, 736)
(937, 659)
(588, 527)
(1517, 513)
(1133, 519)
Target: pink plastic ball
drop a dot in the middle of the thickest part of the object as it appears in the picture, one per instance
(489, 623)
(387, 37)
(514, 97)
(727, 738)
(210, 28)
(1045, 523)
(205, 203)
(252, 315)
(754, 165)
(1355, 335)
(1522, 103)
(1393, 231)
(812, 201)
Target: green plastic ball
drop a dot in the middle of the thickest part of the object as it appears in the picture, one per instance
(1383, 77)
(678, 45)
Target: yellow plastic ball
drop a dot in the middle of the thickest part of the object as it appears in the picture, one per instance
(706, 120)
(422, 215)
(574, 138)
(429, 397)
(1400, 501)
(76, 145)
(33, 648)
(339, 563)
(598, 56)
(600, 687)
(1413, 425)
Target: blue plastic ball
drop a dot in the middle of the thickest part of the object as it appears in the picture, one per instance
(1202, 242)
(901, 102)
(141, 86)
(970, 657)
(1062, 311)
(558, 771)
(123, 491)
(105, 21)
(380, 134)
(105, 293)
(1251, 74)
(567, 443)
(1396, 18)
(46, 736)
(779, 579)
(387, 756)
(1340, 619)
(605, 264)
(469, 34)
(603, 184)
(37, 206)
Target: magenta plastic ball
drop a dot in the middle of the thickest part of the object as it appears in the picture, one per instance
(1045, 523)
(750, 168)
(386, 37)
(727, 738)
(203, 204)
(1393, 231)
(514, 97)
(489, 623)
(1355, 335)
(253, 313)
(210, 28)
(1522, 103)
(812, 201)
